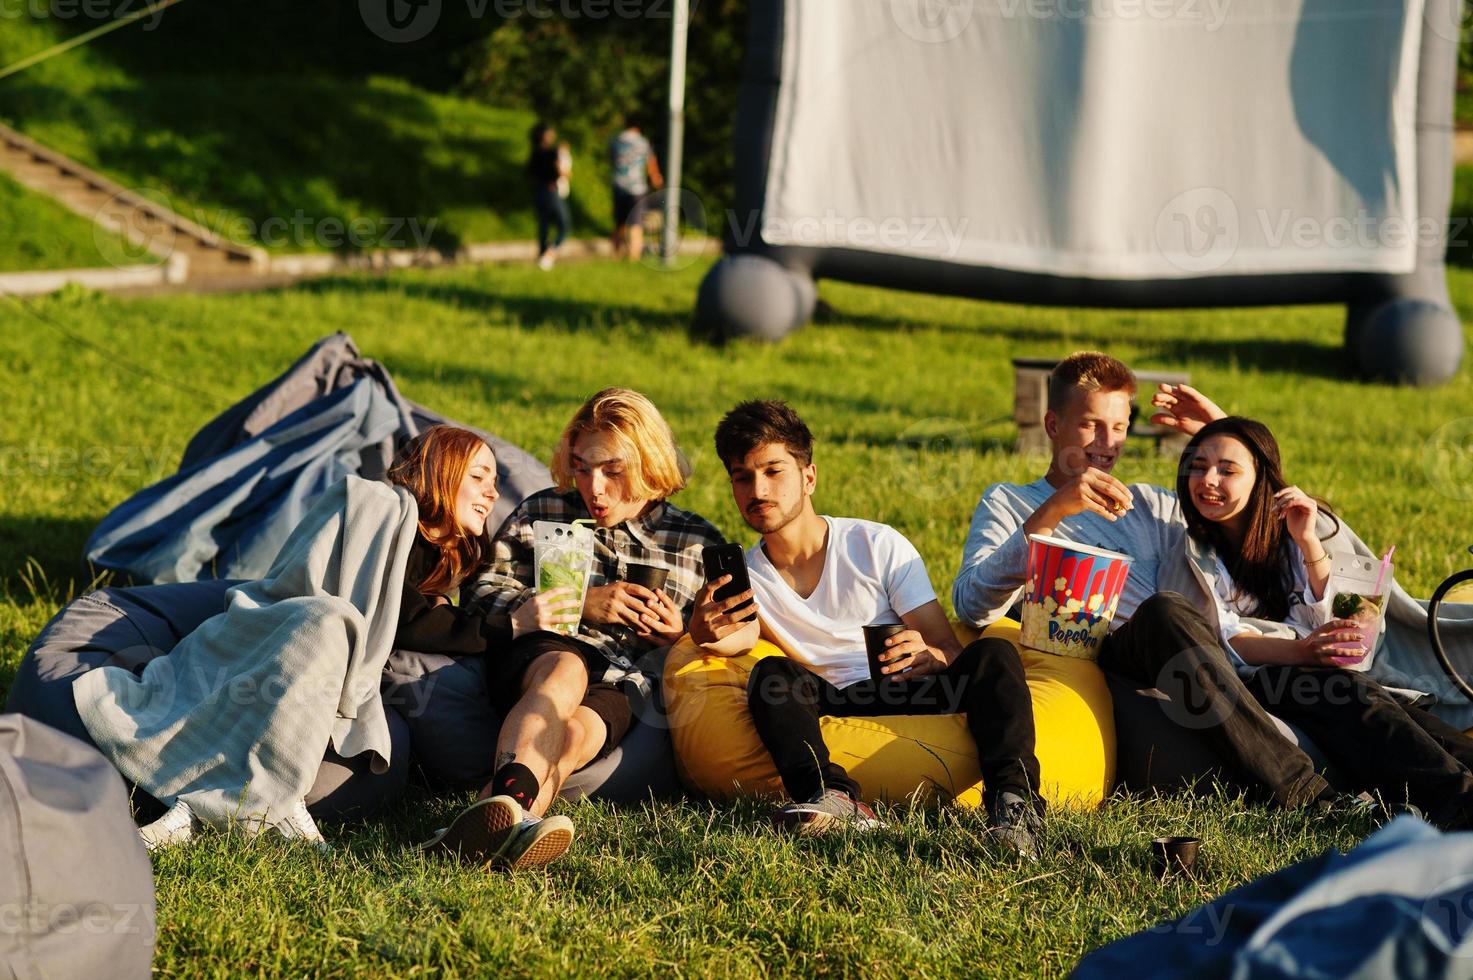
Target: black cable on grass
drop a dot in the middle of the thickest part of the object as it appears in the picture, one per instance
(112, 356)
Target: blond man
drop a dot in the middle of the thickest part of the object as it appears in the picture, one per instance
(565, 698)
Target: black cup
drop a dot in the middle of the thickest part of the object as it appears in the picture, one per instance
(875, 636)
(652, 577)
(1173, 855)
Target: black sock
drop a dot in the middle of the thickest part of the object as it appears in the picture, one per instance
(516, 780)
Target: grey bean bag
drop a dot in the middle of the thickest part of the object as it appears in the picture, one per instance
(1155, 753)
(453, 729)
(76, 888)
(250, 474)
(128, 627)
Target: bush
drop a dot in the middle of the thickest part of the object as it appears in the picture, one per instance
(585, 74)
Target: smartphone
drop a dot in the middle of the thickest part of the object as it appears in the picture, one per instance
(728, 559)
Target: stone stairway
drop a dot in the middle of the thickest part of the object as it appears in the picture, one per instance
(156, 233)
(169, 253)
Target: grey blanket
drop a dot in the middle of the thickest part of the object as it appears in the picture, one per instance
(236, 719)
(1405, 661)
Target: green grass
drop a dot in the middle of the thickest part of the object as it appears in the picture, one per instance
(38, 233)
(232, 151)
(909, 397)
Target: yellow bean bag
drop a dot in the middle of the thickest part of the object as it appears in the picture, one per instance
(718, 753)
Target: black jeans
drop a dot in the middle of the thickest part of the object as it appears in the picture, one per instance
(1404, 754)
(986, 682)
(552, 212)
(1168, 645)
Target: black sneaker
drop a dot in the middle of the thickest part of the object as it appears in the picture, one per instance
(1016, 822)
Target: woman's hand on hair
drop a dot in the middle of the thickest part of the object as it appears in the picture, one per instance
(546, 611)
(1184, 408)
(1299, 511)
(619, 604)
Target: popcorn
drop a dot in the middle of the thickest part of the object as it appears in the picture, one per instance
(1073, 617)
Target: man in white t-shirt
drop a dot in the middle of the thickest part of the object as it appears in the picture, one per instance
(1157, 638)
(817, 582)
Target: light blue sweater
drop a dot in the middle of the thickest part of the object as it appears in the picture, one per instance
(995, 558)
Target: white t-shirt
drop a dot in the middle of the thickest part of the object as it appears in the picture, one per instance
(1306, 614)
(871, 574)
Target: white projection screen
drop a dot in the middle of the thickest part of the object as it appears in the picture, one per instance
(1113, 153)
(1143, 141)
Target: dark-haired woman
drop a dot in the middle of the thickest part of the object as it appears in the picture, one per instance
(1253, 542)
(549, 165)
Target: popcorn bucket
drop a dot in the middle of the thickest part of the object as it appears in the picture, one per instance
(1071, 596)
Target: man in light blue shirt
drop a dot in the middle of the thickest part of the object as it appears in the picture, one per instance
(1157, 639)
(635, 171)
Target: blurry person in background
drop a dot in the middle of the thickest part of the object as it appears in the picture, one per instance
(635, 173)
(549, 165)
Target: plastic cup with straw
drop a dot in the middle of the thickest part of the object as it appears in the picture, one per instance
(1363, 603)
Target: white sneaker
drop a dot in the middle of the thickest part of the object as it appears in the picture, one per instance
(299, 825)
(538, 841)
(175, 827)
(546, 262)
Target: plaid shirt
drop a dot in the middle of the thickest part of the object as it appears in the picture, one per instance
(666, 536)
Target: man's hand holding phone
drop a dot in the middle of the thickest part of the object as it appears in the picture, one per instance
(724, 621)
(715, 619)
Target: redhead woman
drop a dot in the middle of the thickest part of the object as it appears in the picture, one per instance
(447, 477)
